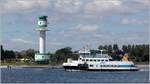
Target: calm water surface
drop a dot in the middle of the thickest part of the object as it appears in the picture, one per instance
(32, 75)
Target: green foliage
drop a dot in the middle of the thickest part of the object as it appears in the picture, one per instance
(115, 47)
(125, 48)
(137, 53)
(62, 55)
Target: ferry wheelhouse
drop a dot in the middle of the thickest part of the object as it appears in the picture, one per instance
(98, 62)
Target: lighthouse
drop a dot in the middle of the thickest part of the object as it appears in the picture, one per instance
(42, 57)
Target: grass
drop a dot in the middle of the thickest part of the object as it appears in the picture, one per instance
(14, 63)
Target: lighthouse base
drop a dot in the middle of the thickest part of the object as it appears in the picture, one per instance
(41, 58)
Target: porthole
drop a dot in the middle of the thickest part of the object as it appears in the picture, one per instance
(83, 59)
(91, 65)
(87, 59)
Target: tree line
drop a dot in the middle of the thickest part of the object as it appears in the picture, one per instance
(136, 53)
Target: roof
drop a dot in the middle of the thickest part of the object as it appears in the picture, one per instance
(43, 17)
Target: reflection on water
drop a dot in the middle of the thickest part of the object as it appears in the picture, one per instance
(45, 75)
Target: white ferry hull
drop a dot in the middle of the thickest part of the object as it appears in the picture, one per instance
(100, 69)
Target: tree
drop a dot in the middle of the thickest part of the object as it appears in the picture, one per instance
(2, 53)
(30, 53)
(62, 54)
(100, 47)
(145, 56)
(115, 47)
(9, 55)
(129, 48)
(125, 49)
(109, 49)
(105, 47)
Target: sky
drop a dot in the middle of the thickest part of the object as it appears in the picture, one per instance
(73, 23)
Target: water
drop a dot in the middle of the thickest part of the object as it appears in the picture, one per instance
(34, 75)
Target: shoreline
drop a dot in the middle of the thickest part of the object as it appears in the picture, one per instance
(32, 66)
(54, 67)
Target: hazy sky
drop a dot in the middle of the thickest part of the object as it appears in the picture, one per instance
(73, 23)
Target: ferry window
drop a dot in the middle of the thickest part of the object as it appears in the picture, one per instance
(87, 59)
(84, 54)
(98, 60)
(90, 59)
(106, 60)
(102, 60)
(83, 59)
(80, 58)
(110, 59)
(95, 60)
(91, 65)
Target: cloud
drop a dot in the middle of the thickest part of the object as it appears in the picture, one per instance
(20, 40)
(101, 6)
(86, 28)
(9, 6)
(127, 21)
(143, 2)
(95, 10)
(68, 6)
(107, 7)
(76, 6)
(54, 43)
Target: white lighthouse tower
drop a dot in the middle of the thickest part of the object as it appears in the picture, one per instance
(42, 57)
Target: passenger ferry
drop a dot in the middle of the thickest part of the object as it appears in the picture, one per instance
(99, 62)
